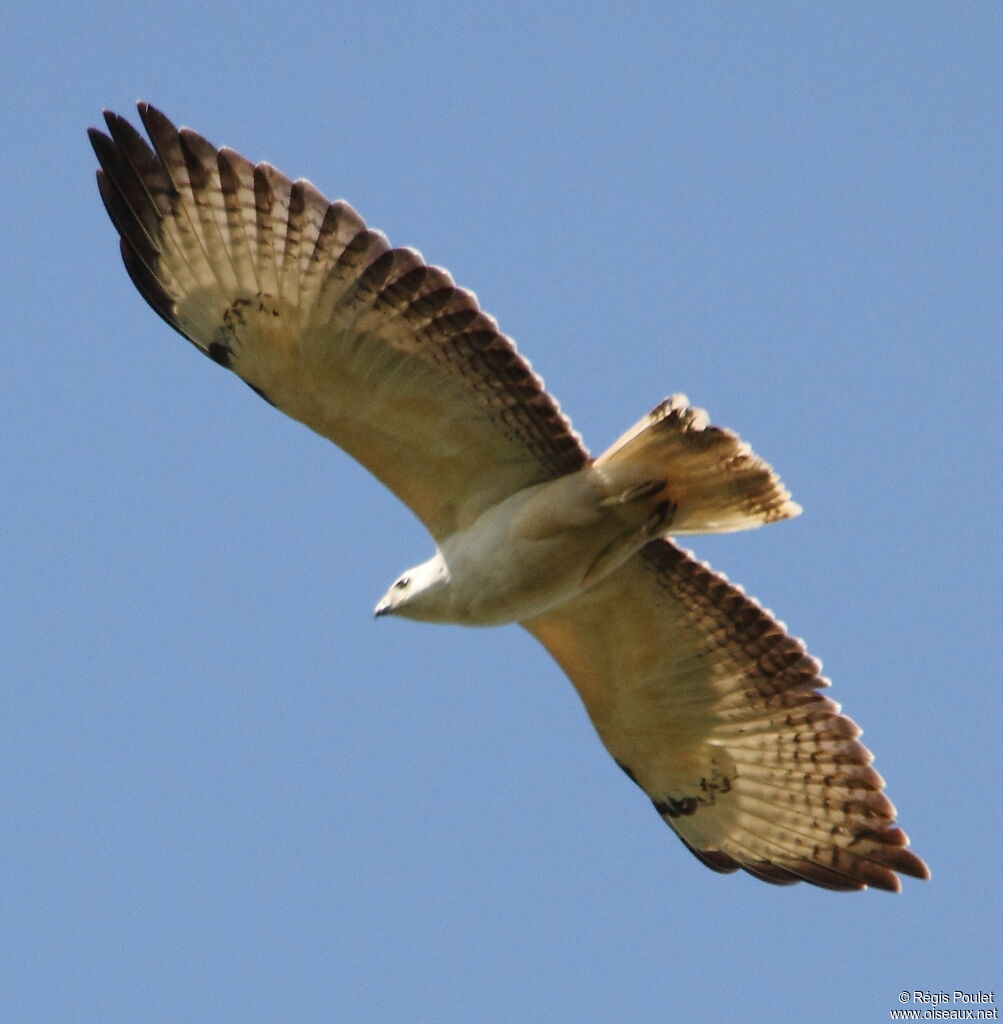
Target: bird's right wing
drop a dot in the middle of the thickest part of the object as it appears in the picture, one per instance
(365, 344)
(713, 710)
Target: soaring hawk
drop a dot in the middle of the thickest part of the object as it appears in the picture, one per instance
(697, 692)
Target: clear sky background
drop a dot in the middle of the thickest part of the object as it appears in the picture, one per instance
(227, 793)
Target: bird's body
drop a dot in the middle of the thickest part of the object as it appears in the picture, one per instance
(700, 695)
(533, 550)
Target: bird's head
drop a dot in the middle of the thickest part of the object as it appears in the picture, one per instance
(420, 593)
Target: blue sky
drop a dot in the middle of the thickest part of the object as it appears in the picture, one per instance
(228, 794)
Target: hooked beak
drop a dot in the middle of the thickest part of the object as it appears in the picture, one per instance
(383, 608)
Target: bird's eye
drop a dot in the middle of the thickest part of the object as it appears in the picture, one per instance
(402, 583)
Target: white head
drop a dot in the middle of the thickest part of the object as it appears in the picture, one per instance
(420, 593)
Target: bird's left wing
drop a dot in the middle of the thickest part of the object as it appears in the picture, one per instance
(713, 710)
(365, 344)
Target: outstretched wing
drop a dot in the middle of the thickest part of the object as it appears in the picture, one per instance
(363, 343)
(714, 711)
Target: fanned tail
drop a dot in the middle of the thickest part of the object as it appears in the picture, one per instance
(714, 481)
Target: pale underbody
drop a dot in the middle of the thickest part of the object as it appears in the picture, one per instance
(536, 549)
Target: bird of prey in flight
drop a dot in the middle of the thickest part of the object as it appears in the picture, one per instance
(699, 694)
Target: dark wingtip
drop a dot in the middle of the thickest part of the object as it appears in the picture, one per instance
(114, 121)
(910, 864)
(155, 121)
(97, 139)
